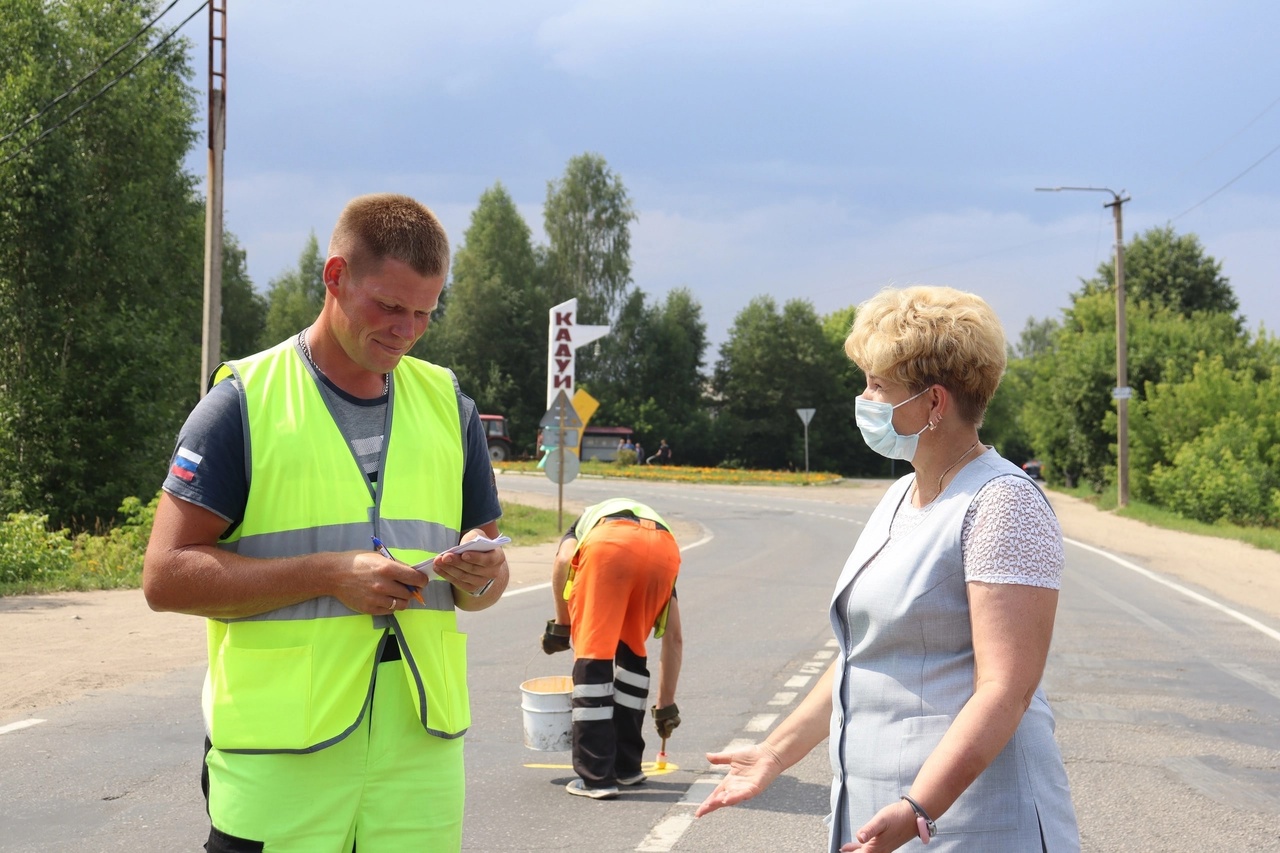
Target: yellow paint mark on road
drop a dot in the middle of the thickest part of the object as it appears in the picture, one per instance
(650, 768)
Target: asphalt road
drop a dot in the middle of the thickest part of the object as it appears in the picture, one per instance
(1168, 709)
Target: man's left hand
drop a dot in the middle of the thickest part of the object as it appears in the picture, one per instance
(470, 571)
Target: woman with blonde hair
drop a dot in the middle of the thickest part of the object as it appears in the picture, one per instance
(939, 729)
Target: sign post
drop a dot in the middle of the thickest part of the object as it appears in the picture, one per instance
(561, 462)
(806, 415)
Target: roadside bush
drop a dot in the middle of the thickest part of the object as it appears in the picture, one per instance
(624, 458)
(1219, 476)
(29, 551)
(114, 558)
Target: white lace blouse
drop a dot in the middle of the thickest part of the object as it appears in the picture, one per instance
(1010, 534)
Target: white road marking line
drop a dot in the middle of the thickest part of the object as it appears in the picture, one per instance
(1177, 587)
(785, 697)
(738, 743)
(21, 724)
(665, 835)
(760, 723)
(824, 654)
(522, 590)
(798, 681)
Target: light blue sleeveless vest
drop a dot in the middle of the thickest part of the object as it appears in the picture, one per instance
(908, 653)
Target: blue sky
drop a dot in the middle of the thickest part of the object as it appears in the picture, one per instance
(818, 150)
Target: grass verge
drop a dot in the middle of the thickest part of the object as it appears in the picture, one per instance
(54, 561)
(527, 525)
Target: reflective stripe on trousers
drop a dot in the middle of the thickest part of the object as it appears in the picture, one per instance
(609, 698)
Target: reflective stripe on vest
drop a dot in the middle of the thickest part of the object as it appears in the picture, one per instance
(299, 678)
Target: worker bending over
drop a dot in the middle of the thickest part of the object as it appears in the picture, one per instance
(613, 581)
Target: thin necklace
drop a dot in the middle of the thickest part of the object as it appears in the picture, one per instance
(306, 350)
(946, 470)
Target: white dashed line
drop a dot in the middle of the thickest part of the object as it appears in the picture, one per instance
(665, 835)
(784, 697)
(760, 723)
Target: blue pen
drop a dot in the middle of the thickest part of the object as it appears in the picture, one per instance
(382, 549)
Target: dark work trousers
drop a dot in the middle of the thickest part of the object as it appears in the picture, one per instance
(609, 698)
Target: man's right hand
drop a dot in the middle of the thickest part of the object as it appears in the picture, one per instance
(555, 638)
(665, 719)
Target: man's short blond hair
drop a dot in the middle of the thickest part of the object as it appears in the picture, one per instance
(381, 226)
(922, 336)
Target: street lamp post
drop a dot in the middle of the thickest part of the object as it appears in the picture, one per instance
(1122, 392)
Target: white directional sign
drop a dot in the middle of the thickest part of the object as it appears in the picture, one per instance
(1125, 393)
(563, 341)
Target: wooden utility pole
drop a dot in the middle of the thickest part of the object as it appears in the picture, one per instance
(1122, 392)
(211, 342)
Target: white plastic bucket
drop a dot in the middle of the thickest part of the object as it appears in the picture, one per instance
(547, 705)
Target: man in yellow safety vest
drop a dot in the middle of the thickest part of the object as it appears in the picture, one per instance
(304, 488)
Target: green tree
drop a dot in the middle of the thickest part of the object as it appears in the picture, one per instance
(1070, 416)
(295, 297)
(244, 310)
(773, 363)
(1036, 337)
(493, 329)
(1168, 270)
(1189, 413)
(101, 236)
(587, 218)
(837, 443)
(1179, 306)
(1220, 475)
(648, 374)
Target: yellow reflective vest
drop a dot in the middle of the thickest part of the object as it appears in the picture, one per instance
(300, 678)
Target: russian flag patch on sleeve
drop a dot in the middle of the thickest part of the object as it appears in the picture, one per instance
(185, 463)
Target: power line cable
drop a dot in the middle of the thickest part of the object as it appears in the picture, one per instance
(85, 78)
(1256, 163)
(105, 88)
(1232, 138)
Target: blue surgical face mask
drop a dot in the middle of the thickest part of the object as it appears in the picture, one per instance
(875, 420)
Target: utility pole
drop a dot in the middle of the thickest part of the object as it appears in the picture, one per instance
(211, 341)
(1122, 392)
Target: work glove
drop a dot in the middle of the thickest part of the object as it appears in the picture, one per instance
(555, 638)
(665, 719)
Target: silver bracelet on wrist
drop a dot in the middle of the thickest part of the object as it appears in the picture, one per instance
(921, 814)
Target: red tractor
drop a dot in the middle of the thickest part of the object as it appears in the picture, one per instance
(495, 430)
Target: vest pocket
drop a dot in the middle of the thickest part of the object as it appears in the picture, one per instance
(261, 698)
(990, 804)
(448, 701)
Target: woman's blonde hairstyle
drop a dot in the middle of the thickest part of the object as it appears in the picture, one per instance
(374, 228)
(922, 336)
